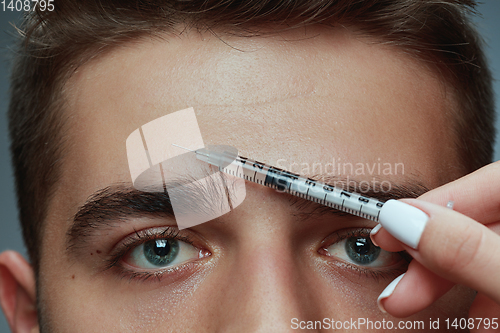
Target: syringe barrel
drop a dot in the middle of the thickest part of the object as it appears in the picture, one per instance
(288, 182)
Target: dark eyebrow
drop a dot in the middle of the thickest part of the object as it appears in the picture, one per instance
(410, 187)
(119, 202)
(116, 203)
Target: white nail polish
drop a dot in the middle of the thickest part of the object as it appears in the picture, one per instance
(375, 229)
(388, 292)
(374, 232)
(404, 222)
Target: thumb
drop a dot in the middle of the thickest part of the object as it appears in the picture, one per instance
(448, 243)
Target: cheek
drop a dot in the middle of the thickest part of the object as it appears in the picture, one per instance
(92, 303)
(340, 295)
(455, 303)
(346, 294)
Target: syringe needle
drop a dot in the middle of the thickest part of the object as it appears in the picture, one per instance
(194, 151)
(173, 144)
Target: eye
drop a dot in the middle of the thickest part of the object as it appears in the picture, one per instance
(359, 250)
(157, 253)
(161, 253)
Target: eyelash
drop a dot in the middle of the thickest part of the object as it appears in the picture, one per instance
(138, 238)
(373, 273)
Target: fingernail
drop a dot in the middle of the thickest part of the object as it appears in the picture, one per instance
(404, 222)
(388, 292)
(374, 232)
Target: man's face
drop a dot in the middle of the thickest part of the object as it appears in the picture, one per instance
(313, 101)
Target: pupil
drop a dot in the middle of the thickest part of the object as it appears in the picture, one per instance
(362, 246)
(361, 250)
(161, 252)
(161, 247)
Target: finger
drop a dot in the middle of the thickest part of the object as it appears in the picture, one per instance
(485, 308)
(448, 243)
(383, 239)
(475, 195)
(418, 289)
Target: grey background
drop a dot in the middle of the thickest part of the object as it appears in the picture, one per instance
(10, 234)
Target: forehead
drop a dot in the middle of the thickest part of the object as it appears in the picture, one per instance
(300, 97)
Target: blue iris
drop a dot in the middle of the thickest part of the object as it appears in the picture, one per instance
(161, 252)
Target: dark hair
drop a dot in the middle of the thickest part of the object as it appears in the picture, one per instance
(55, 43)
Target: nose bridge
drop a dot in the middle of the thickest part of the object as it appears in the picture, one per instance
(265, 271)
(265, 292)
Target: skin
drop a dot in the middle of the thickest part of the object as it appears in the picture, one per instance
(304, 96)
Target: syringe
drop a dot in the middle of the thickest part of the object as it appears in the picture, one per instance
(294, 184)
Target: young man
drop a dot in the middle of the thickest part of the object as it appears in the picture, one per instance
(299, 84)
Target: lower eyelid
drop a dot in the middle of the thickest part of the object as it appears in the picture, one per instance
(167, 275)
